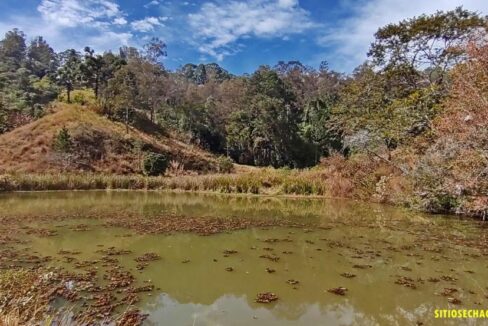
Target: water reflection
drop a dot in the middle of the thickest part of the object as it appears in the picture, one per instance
(232, 310)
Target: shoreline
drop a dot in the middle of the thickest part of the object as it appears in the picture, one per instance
(264, 183)
(201, 192)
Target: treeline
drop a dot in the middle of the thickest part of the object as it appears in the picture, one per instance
(286, 115)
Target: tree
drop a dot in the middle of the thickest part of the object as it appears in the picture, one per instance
(128, 53)
(201, 74)
(200, 122)
(24, 84)
(374, 120)
(151, 77)
(69, 74)
(62, 141)
(155, 164)
(121, 95)
(301, 79)
(266, 132)
(318, 127)
(91, 69)
(12, 49)
(204, 73)
(3, 116)
(41, 57)
(422, 49)
(155, 50)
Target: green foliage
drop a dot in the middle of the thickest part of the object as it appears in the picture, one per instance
(392, 101)
(69, 75)
(440, 202)
(200, 123)
(225, 164)
(155, 164)
(121, 95)
(41, 58)
(79, 96)
(13, 48)
(375, 117)
(266, 133)
(25, 87)
(91, 70)
(203, 73)
(62, 141)
(434, 42)
(318, 127)
(96, 70)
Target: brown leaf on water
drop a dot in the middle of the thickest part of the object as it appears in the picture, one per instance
(150, 256)
(406, 282)
(359, 266)
(339, 290)
(348, 275)
(454, 300)
(266, 297)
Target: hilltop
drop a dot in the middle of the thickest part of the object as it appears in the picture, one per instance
(99, 145)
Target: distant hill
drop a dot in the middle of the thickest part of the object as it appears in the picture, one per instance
(98, 145)
(203, 73)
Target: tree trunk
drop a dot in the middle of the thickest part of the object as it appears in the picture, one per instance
(96, 88)
(405, 172)
(127, 120)
(68, 93)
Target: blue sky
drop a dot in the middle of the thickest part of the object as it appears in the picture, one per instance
(239, 35)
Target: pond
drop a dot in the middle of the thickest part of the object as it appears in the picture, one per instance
(207, 257)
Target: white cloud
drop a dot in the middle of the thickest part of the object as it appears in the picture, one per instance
(287, 3)
(152, 3)
(147, 24)
(73, 13)
(350, 39)
(109, 40)
(218, 26)
(120, 21)
(99, 24)
(61, 40)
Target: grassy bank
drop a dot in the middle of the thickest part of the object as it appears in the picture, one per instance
(265, 181)
(338, 177)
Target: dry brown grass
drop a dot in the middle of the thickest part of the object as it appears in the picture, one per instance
(364, 177)
(29, 148)
(337, 177)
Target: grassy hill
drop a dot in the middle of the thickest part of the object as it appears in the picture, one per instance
(98, 145)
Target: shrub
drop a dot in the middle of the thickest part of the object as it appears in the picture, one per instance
(62, 141)
(225, 164)
(6, 183)
(441, 202)
(79, 96)
(176, 168)
(155, 164)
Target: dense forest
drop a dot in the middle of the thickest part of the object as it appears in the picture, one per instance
(416, 108)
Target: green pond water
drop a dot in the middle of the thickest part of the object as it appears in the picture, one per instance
(337, 237)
